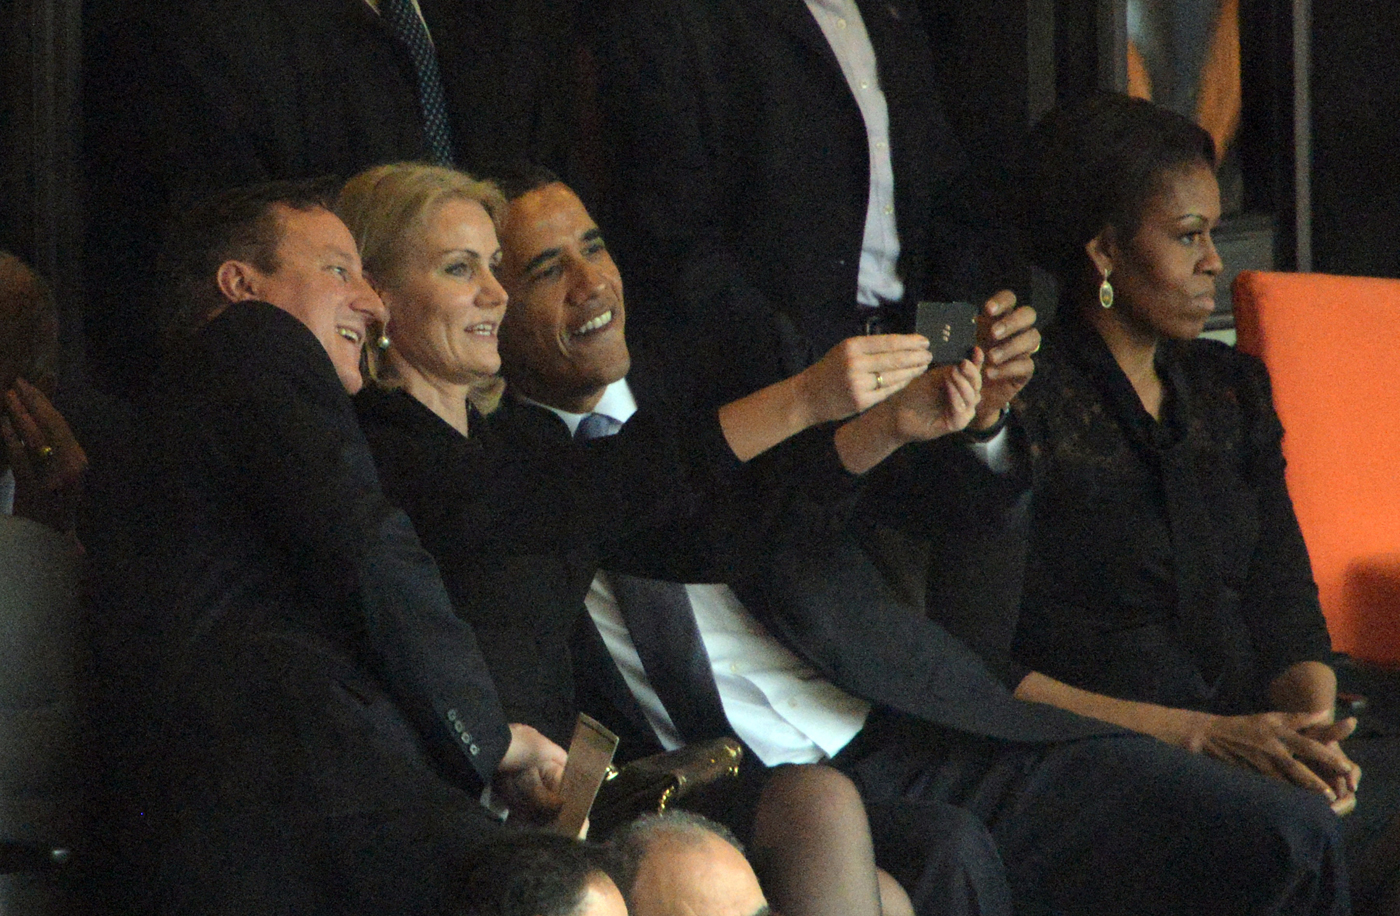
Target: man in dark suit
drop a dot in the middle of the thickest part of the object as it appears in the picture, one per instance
(805, 656)
(788, 159)
(182, 100)
(311, 727)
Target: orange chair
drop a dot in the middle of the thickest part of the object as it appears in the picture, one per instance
(1332, 347)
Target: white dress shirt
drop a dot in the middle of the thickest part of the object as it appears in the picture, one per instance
(776, 703)
(841, 23)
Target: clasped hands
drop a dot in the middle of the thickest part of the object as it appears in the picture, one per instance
(1295, 747)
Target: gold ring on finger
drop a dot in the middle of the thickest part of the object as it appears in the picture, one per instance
(45, 452)
(879, 381)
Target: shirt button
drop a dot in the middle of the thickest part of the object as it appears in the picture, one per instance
(733, 667)
(881, 144)
(840, 23)
(474, 749)
(889, 209)
(865, 84)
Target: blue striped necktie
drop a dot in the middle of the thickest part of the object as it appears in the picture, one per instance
(403, 20)
(596, 426)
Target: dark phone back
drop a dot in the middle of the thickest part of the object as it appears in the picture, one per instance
(951, 328)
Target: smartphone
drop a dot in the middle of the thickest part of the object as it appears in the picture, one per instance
(951, 329)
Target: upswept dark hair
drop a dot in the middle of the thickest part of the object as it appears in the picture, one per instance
(531, 874)
(1095, 164)
(520, 178)
(240, 224)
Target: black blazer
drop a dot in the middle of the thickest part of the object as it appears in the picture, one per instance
(516, 513)
(741, 172)
(810, 584)
(263, 513)
(306, 725)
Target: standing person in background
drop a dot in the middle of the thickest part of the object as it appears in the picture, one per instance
(784, 178)
(183, 100)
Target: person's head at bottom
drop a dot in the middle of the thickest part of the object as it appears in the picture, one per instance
(682, 864)
(540, 874)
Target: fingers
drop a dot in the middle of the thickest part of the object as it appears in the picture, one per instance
(1001, 319)
(1021, 345)
(1331, 731)
(1001, 302)
(1328, 760)
(1300, 774)
(49, 421)
(887, 361)
(963, 396)
(50, 446)
(883, 343)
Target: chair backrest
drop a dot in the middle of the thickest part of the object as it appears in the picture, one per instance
(1332, 347)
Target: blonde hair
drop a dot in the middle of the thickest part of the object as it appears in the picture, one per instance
(386, 209)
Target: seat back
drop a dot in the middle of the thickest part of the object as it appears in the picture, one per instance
(1333, 353)
(43, 776)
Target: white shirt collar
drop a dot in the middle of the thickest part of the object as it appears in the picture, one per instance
(617, 402)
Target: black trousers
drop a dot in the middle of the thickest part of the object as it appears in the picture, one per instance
(1114, 825)
(285, 781)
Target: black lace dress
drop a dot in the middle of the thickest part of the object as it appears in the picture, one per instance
(1166, 564)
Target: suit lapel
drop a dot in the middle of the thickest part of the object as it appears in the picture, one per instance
(793, 17)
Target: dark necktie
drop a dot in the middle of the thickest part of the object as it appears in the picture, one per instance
(596, 426)
(662, 625)
(403, 20)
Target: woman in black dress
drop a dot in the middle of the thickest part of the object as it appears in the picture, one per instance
(1168, 588)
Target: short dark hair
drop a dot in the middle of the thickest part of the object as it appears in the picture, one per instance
(634, 840)
(1095, 164)
(240, 224)
(531, 874)
(521, 178)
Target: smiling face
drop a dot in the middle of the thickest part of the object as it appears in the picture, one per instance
(319, 282)
(445, 303)
(1164, 277)
(563, 342)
